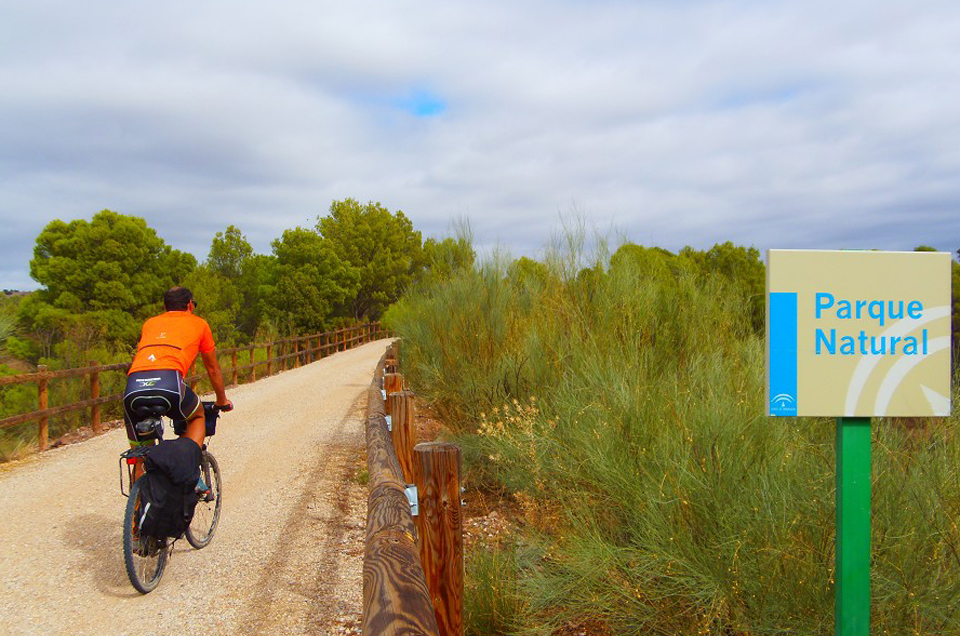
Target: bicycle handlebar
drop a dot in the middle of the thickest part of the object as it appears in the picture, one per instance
(213, 406)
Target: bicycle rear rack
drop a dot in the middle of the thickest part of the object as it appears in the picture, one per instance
(130, 458)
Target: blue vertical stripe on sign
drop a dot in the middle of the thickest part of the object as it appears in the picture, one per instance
(783, 354)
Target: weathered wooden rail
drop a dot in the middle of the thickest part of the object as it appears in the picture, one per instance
(412, 571)
(296, 351)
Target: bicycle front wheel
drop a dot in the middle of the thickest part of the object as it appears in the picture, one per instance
(145, 557)
(207, 514)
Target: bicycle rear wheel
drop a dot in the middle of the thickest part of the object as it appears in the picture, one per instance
(207, 514)
(144, 557)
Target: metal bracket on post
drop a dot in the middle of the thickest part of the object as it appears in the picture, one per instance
(383, 392)
(411, 492)
(389, 422)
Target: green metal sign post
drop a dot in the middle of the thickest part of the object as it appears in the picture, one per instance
(853, 527)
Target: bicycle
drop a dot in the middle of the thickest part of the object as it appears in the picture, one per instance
(145, 557)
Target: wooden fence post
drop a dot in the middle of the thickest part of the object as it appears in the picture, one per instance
(296, 353)
(42, 402)
(392, 382)
(269, 361)
(94, 394)
(390, 365)
(441, 531)
(253, 367)
(403, 434)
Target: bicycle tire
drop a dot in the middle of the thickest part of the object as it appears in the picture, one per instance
(145, 557)
(207, 514)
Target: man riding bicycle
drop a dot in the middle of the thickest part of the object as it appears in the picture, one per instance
(169, 343)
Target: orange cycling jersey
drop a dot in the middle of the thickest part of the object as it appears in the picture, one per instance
(171, 341)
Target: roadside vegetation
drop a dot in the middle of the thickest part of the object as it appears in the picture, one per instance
(617, 403)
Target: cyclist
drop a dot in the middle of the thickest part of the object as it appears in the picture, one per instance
(169, 343)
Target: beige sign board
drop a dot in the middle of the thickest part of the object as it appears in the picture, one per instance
(858, 333)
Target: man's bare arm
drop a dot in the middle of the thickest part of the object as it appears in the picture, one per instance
(216, 377)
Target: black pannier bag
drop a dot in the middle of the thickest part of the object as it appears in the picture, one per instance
(168, 493)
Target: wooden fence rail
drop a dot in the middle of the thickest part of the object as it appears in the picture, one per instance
(396, 599)
(297, 350)
(412, 572)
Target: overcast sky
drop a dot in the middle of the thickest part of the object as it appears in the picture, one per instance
(796, 124)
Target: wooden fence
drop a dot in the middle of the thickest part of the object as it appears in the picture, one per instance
(412, 565)
(289, 352)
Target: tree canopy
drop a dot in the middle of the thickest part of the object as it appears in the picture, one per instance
(310, 281)
(229, 252)
(223, 286)
(113, 261)
(382, 247)
(103, 275)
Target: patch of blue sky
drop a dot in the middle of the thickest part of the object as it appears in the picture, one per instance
(421, 104)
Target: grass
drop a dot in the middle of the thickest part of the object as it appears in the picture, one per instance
(493, 598)
(623, 408)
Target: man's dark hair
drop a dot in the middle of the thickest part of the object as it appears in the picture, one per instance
(177, 299)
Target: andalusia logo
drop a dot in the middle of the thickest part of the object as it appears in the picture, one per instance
(783, 404)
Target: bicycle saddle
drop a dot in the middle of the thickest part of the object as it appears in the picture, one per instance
(147, 412)
(150, 406)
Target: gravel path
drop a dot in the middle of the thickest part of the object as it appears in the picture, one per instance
(287, 556)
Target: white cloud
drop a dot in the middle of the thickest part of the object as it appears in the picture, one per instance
(793, 124)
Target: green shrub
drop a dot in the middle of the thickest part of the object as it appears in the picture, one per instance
(624, 409)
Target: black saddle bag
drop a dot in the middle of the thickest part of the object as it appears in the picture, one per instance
(168, 493)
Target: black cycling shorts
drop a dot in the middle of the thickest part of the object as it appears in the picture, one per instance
(166, 385)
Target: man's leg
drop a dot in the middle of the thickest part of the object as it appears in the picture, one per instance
(197, 427)
(195, 417)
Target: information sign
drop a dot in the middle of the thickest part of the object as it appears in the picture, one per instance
(858, 333)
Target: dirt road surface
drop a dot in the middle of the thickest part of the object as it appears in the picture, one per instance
(287, 556)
